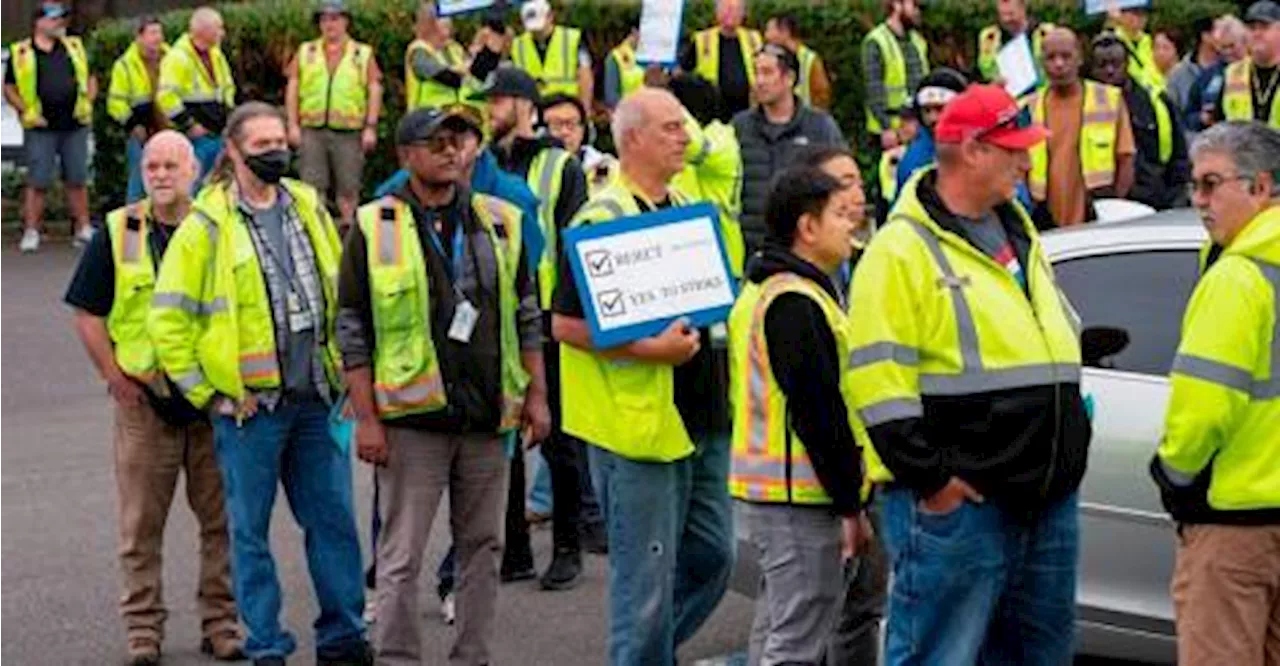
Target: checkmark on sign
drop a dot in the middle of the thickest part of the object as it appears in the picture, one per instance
(611, 303)
(599, 263)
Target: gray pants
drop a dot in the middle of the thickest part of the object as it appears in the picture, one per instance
(801, 580)
(421, 466)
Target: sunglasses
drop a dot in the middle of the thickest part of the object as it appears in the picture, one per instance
(437, 143)
(1209, 184)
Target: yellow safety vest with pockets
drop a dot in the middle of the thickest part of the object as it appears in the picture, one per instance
(770, 463)
(429, 93)
(1237, 95)
(1097, 138)
(950, 320)
(545, 178)
(896, 96)
(559, 72)
(338, 99)
(24, 74)
(184, 79)
(131, 85)
(707, 43)
(210, 319)
(406, 368)
(621, 405)
(630, 73)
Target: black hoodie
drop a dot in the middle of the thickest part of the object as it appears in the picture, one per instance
(807, 367)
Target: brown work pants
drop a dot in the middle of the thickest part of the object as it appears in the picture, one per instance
(150, 455)
(1226, 591)
(420, 467)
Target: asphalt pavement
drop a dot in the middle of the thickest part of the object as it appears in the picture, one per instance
(60, 581)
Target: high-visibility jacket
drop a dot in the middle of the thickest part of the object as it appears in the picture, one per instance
(991, 39)
(429, 93)
(210, 319)
(770, 463)
(713, 172)
(135, 279)
(24, 74)
(406, 370)
(1223, 418)
(1164, 123)
(887, 171)
(808, 58)
(559, 72)
(948, 320)
(337, 99)
(622, 405)
(896, 95)
(1097, 138)
(131, 85)
(1142, 59)
(545, 178)
(630, 73)
(1237, 96)
(707, 45)
(184, 81)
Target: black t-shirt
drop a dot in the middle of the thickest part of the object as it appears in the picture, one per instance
(694, 381)
(735, 85)
(1264, 90)
(55, 86)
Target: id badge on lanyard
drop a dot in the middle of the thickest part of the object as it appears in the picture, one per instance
(465, 315)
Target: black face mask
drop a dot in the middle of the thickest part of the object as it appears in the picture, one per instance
(270, 166)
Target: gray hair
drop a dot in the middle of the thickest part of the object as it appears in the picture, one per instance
(1252, 146)
(1229, 25)
(204, 16)
(628, 115)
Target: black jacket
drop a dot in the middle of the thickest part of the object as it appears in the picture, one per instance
(1023, 447)
(1158, 185)
(767, 149)
(804, 361)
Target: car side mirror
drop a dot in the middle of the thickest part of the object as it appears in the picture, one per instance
(1100, 344)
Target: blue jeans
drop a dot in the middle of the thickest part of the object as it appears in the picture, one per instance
(981, 584)
(133, 158)
(291, 446)
(539, 500)
(671, 548)
(207, 148)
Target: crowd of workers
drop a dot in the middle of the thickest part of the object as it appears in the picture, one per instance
(904, 402)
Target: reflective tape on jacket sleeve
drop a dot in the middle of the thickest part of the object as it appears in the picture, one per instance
(894, 409)
(180, 301)
(877, 352)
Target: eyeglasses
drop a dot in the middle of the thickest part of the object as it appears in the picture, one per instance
(436, 143)
(564, 125)
(1207, 185)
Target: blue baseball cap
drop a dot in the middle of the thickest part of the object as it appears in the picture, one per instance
(50, 10)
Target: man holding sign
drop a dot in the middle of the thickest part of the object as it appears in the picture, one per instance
(641, 406)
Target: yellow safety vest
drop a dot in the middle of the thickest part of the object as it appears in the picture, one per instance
(131, 85)
(991, 39)
(713, 172)
(430, 93)
(24, 74)
(406, 369)
(1164, 123)
(559, 73)
(624, 406)
(770, 463)
(135, 279)
(630, 73)
(1224, 402)
(934, 316)
(1237, 96)
(1097, 138)
(545, 178)
(804, 82)
(707, 43)
(184, 79)
(897, 97)
(1142, 59)
(888, 172)
(337, 100)
(210, 319)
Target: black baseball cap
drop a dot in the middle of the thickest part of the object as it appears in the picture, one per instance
(420, 124)
(508, 82)
(1263, 11)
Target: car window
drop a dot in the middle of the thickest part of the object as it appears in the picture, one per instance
(1141, 293)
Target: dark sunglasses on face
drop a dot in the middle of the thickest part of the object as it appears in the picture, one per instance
(437, 143)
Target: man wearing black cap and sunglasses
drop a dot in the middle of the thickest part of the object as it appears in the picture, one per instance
(441, 342)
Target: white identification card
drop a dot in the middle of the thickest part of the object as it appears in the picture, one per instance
(299, 318)
(464, 321)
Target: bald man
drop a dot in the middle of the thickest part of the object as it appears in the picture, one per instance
(643, 409)
(195, 89)
(1090, 150)
(158, 434)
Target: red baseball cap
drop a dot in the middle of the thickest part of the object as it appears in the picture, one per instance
(988, 114)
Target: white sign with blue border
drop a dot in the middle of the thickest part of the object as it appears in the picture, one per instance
(637, 274)
(455, 7)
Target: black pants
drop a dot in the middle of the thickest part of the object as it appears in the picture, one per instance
(855, 640)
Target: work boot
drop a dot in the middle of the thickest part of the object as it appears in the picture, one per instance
(223, 646)
(565, 570)
(359, 655)
(143, 652)
(594, 538)
(517, 570)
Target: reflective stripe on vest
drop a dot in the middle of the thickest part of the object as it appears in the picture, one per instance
(707, 63)
(545, 178)
(559, 72)
(25, 76)
(1097, 140)
(337, 99)
(430, 93)
(135, 277)
(896, 95)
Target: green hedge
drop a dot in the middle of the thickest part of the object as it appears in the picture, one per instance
(262, 36)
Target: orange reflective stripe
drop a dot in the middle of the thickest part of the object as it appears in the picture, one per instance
(425, 391)
(1101, 116)
(258, 366)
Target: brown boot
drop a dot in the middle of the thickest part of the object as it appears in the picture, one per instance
(143, 652)
(223, 646)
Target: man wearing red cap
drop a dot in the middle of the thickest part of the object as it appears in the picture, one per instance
(965, 373)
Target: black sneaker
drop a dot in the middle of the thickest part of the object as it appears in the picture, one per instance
(594, 538)
(268, 661)
(360, 655)
(517, 571)
(565, 570)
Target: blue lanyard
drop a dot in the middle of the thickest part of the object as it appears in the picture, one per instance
(456, 267)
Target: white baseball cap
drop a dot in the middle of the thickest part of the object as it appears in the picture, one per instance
(534, 15)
